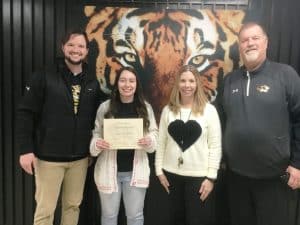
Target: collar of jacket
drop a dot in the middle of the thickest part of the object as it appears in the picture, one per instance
(62, 68)
(254, 72)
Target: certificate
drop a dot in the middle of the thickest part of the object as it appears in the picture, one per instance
(123, 133)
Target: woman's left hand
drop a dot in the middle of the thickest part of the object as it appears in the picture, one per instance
(206, 187)
(145, 142)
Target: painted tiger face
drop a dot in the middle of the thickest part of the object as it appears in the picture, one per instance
(157, 42)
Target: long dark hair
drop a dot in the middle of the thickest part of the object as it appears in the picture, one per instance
(138, 100)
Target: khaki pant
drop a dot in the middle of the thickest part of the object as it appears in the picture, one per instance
(49, 178)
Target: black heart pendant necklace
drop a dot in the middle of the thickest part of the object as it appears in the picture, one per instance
(180, 158)
(184, 134)
(180, 161)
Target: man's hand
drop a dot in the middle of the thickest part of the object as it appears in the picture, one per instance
(294, 181)
(27, 162)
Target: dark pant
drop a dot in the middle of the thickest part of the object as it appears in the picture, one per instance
(186, 208)
(260, 201)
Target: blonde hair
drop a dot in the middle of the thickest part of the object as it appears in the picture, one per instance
(200, 98)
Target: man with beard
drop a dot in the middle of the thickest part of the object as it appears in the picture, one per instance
(261, 102)
(54, 123)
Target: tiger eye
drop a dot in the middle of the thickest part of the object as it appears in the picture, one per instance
(198, 60)
(130, 57)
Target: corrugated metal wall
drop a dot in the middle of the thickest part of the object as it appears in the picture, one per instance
(30, 33)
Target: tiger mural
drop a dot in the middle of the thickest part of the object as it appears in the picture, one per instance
(157, 42)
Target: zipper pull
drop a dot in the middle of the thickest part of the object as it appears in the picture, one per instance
(248, 84)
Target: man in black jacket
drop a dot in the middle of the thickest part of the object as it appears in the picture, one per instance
(261, 102)
(54, 123)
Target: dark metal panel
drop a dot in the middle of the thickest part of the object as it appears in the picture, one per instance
(17, 56)
(295, 46)
(274, 30)
(27, 42)
(27, 46)
(38, 34)
(1, 123)
(285, 33)
(60, 23)
(7, 152)
(49, 30)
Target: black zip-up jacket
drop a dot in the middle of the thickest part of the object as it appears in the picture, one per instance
(46, 122)
(262, 128)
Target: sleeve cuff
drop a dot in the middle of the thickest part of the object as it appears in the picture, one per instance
(212, 173)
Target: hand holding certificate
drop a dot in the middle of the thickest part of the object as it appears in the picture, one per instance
(123, 133)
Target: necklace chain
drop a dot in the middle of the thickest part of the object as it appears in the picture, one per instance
(188, 116)
(180, 158)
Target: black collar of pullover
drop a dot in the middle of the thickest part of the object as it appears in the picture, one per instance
(259, 69)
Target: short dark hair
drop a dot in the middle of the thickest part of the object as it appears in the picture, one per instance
(252, 24)
(77, 31)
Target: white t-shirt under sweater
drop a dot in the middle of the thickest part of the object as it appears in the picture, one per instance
(202, 158)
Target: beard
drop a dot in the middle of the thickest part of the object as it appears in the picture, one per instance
(253, 60)
(69, 60)
(251, 57)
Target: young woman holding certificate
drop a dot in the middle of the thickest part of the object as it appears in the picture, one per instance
(123, 172)
(189, 150)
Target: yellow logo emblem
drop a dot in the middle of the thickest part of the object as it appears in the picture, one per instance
(263, 88)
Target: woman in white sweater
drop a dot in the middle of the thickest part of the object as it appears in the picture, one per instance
(124, 172)
(189, 150)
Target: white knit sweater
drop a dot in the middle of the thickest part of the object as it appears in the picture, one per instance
(105, 173)
(202, 159)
